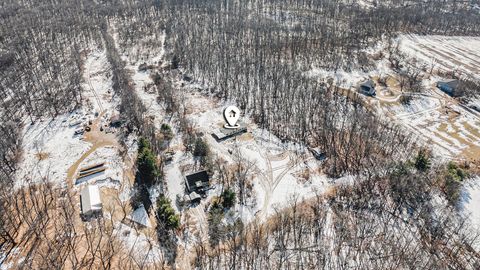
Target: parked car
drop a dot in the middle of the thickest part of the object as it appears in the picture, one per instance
(75, 123)
(475, 107)
(317, 154)
(79, 131)
(367, 88)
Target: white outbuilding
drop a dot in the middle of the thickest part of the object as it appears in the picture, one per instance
(90, 200)
(140, 217)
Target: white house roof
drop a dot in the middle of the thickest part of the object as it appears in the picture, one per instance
(91, 199)
(140, 216)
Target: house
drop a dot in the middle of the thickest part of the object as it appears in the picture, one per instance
(367, 88)
(140, 217)
(448, 86)
(91, 203)
(198, 182)
(223, 134)
(232, 113)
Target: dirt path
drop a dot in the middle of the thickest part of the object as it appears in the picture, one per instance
(98, 139)
(267, 180)
(73, 169)
(95, 94)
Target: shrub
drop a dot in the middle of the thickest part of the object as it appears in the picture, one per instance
(142, 144)
(457, 173)
(402, 169)
(452, 189)
(215, 226)
(453, 182)
(166, 131)
(201, 148)
(228, 198)
(157, 79)
(406, 99)
(422, 161)
(189, 142)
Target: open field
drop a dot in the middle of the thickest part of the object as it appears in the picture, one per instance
(441, 122)
(457, 54)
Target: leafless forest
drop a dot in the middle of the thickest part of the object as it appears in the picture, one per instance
(398, 213)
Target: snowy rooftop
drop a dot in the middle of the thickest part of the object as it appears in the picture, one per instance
(91, 199)
(140, 216)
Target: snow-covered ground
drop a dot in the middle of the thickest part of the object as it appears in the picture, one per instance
(340, 77)
(50, 147)
(148, 94)
(10, 265)
(453, 130)
(206, 116)
(469, 205)
(175, 179)
(470, 201)
(142, 247)
(274, 163)
(446, 53)
(112, 176)
(142, 79)
(437, 119)
(98, 82)
(418, 104)
(351, 79)
(289, 189)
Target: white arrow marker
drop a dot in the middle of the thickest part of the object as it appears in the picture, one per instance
(231, 115)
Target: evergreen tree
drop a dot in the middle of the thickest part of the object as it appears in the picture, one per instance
(422, 161)
(166, 215)
(147, 169)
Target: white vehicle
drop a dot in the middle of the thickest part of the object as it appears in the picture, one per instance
(79, 131)
(75, 123)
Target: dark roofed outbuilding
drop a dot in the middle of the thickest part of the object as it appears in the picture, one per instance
(368, 88)
(448, 86)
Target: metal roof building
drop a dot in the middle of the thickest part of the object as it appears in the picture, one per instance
(90, 200)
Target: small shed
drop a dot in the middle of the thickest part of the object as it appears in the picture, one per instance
(140, 217)
(448, 86)
(198, 182)
(368, 88)
(91, 203)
